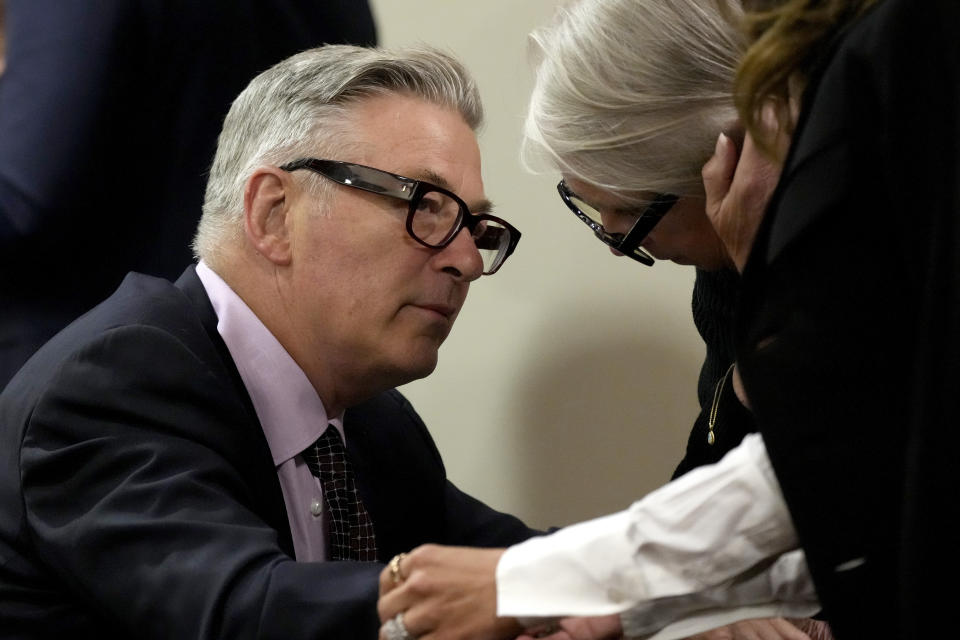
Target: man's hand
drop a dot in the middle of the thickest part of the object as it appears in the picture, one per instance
(446, 593)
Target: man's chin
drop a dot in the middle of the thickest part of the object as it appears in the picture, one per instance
(416, 367)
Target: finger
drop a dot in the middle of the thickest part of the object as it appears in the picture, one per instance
(718, 172)
(787, 631)
(549, 630)
(420, 607)
(756, 172)
(721, 633)
(593, 628)
(386, 582)
(772, 126)
(418, 626)
(389, 629)
(559, 635)
(815, 629)
(750, 630)
(383, 635)
(393, 598)
(393, 574)
(767, 629)
(751, 156)
(392, 603)
(737, 215)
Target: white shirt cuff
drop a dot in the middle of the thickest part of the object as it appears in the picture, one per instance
(696, 532)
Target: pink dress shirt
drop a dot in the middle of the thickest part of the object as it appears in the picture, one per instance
(290, 411)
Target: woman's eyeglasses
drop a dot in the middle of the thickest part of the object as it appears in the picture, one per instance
(626, 243)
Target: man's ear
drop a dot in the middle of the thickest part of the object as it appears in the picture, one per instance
(267, 217)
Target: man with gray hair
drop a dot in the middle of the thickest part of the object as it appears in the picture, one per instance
(225, 456)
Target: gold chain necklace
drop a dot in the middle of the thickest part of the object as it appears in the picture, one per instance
(712, 420)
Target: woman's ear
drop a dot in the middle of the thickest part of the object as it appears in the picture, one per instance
(267, 219)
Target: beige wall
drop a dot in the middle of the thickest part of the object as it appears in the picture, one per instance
(568, 386)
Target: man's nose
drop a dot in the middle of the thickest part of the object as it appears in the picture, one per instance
(461, 258)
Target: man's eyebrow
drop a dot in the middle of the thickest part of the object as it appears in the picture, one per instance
(481, 206)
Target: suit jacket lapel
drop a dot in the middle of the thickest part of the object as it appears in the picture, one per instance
(189, 283)
(398, 473)
(271, 495)
(364, 448)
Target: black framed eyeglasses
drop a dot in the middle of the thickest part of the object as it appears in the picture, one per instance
(629, 243)
(435, 215)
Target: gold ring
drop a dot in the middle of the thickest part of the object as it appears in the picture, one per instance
(395, 571)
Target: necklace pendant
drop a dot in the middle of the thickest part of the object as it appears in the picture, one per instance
(710, 438)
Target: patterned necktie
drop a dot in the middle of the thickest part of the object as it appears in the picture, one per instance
(350, 528)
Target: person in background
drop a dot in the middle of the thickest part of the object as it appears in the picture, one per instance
(109, 114)
(853, 462)
(225, 456)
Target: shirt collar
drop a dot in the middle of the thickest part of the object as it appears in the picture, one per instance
(290, 411)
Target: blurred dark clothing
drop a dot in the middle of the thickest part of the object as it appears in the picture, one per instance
(848, 327)
(109, 114)
(714, 303)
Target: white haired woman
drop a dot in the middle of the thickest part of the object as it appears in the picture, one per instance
(628, 101)
(629, 98)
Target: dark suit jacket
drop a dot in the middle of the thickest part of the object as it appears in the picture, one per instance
(849, 323)
(138, 497)
(109, 116)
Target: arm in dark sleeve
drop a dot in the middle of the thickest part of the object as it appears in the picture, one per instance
(468, 521)
(473, 523)
(144, 498)
(405, 487)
